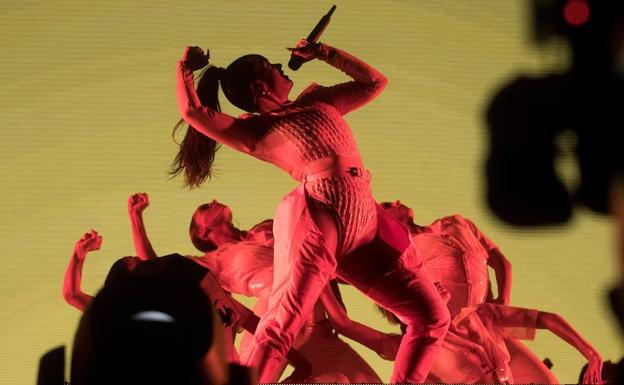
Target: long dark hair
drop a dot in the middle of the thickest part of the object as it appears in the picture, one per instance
(197, 151)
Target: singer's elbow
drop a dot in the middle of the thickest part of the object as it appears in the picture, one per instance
(186, 112)
(378, 84)
(382, 82)
(190, 114)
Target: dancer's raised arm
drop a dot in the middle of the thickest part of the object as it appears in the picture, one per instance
(72, 292)
(367, 82)
(142, 245)
(560, 327)
(207, 119)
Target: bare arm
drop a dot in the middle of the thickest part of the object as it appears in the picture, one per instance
(560, 327)
(219, 126)
(142, 245)
(382, 343)
(72, 292)
(367, 82)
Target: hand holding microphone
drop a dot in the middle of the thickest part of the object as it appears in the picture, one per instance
(303, 52)
(306, 48)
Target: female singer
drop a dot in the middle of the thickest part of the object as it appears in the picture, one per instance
(330, 225)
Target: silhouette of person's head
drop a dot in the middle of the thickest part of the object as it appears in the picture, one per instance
(249, 78)
(150, 325)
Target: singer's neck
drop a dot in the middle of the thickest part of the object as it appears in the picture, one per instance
(270, 102)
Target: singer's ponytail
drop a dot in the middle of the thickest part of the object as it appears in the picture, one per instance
(197, 151)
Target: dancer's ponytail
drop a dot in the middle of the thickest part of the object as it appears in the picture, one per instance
(197, 151)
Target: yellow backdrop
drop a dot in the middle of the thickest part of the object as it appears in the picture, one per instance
(88, 105)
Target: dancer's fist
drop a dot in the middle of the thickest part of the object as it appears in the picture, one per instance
(90, 241)
(137, 203)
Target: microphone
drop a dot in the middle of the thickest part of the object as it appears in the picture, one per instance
(296, 61)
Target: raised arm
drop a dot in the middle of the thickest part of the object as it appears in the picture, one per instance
(384, 344)
(142, 245)
(72, 292)
(560, 327)
(367, 82)
(219, 126)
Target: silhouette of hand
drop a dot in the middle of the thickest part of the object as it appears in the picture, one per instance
(90, 241)
(195, 58)
(306, 50)
(137, 203)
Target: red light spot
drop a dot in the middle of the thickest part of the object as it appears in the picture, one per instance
(576, 12)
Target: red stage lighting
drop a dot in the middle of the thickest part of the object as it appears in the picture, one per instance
(576, 12)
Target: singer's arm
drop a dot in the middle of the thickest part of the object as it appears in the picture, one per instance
(214, 124)
(367, 82)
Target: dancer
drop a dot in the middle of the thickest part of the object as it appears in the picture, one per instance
(457, 254)
(124, 267)
(243, 263)
(330, 225)
(475, 351)
(233, 314)
(137, 300)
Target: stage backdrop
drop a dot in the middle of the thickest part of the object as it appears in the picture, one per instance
(88, 106)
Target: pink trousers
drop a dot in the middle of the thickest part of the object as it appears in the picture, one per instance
(302, 267)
